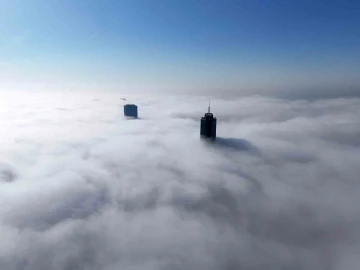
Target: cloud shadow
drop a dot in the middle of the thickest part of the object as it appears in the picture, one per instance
(237, 144)
(132, 118)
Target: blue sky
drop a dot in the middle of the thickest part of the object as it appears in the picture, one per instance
(180, 44)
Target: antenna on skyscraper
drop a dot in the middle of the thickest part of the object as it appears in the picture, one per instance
(209, 107)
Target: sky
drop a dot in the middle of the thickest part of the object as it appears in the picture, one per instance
(284, 48)
(82, 187)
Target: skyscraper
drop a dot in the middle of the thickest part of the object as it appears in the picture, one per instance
(208, 125)
(130, 110)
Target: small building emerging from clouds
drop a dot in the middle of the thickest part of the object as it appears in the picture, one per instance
(208, 126)
(130, 110)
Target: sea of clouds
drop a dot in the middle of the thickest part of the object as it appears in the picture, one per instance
(81, 187)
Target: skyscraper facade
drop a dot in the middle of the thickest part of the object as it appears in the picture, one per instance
(130, 110)
(208, 126)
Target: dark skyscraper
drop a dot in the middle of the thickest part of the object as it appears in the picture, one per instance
(130, 110)
(208, 125)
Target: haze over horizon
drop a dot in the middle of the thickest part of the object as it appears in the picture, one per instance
(294, 49)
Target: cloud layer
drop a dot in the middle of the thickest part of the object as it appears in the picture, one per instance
(83, 188)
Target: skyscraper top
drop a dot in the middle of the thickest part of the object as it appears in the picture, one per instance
(208, 125)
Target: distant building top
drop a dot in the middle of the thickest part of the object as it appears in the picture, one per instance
(131, 110)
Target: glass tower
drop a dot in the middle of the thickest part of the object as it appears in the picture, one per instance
(208, 125)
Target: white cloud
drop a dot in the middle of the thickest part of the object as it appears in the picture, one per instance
(83, 188)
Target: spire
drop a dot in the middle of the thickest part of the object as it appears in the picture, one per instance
(209, 107)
